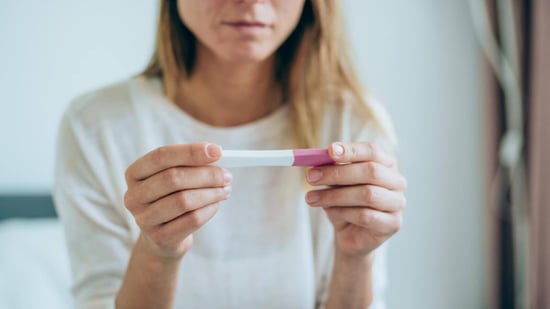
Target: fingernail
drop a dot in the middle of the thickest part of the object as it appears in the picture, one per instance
(227, 177)
(337, 149)
(313, 197)
(227, 190)
(314, 175)
(213, 150)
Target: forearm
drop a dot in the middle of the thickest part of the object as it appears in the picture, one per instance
(351, 283)
(149, 282)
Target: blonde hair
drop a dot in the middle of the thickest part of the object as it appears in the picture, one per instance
(313, 65)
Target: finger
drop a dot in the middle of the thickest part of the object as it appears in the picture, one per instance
(381, 223)
(178, 204)
(362, 195)
(360, 152)
(178, 229)
(165, 157)
(182, 178)
(357, 173)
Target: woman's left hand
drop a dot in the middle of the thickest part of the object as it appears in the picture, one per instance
(365, 198)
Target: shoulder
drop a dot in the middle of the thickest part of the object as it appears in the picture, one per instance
(99, 135)
(103, 107)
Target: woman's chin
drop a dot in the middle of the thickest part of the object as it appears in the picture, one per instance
(247, 54)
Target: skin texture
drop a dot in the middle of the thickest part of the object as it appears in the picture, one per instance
(172, 191)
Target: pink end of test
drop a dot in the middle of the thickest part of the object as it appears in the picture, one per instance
(311, 157)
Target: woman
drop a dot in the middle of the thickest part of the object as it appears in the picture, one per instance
(152, 222)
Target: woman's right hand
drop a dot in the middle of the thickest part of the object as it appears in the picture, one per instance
(172, 192)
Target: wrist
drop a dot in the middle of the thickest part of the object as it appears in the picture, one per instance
(351, 281)
(150, 280)
(353, 255)
(365, 259)
(153, 255)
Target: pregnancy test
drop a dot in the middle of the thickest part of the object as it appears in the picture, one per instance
(289, 157)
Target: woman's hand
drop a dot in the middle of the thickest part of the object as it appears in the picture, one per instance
(364, 200)
(172, 192)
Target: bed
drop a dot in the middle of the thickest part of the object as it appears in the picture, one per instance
(34, 267)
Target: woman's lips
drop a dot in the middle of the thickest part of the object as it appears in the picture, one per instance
(247, 27)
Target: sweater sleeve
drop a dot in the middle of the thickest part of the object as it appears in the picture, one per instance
(97, 236)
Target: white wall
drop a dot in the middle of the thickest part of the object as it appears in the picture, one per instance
(418, 56)
(50, 52)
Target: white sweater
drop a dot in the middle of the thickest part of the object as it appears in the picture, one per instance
(265, 248)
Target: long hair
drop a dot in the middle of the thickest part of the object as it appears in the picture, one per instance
(313, 66)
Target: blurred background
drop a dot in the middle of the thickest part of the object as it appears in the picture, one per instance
(421, 58)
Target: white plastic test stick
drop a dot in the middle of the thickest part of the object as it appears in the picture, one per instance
(289, 157)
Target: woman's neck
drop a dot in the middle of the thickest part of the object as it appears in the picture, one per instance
(228, 94)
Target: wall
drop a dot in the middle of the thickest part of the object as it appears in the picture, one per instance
(419, 57)
(51, 52)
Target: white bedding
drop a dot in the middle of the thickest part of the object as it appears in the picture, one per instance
(34, 267)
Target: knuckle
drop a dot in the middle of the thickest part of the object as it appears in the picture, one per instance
(338, 172)
(216, 175)
(171, 177)
(213, 209)
(128, 175)
(129, 201)
(365, 218)
(195, 219)
(141, 221)
(159, 155)
(374, 170)
(353, 151)
(403, 202)
(369, 193)
(331, 211)
(372, 148)
(371, 169)
(183, 201)
(157, 237)
(397, 226)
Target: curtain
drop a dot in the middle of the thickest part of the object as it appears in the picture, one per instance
(539, 156)
(514, 36)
